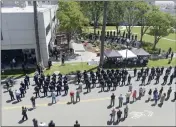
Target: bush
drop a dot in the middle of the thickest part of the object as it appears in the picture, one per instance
(172, 30)
(148, 47)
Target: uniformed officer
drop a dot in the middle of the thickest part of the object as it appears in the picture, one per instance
(138, 75)
(143, 79)
(102, 83)
(24, 113)
(11, 95)
(22, 91)
(126, 111)
(135, 71)
(157, 78)
(36, 92)
(28, 79)
(58, 89)
(129, 80)
(169, 92)
(45, 89)
(123, 80)
(171, 79)
(165, 79)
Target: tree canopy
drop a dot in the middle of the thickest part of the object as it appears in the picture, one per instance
(70, 16)
(160, 25)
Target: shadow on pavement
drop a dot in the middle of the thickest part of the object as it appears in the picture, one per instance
(160, 105)
(153, 104)
(30, 109)
(68, 103)
(173, 100)
(15, 102)
(109, 122)
(110, 106)
(50, 104)
(147, 101)
(21, 121)
(131, 102)
(8, 101)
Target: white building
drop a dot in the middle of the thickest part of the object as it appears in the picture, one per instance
(165, 6)
(18, 31)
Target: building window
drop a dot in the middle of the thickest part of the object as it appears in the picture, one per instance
(48, 29)
(54, 18)
(1, 36)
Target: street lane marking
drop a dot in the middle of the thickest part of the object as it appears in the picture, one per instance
(59, 102)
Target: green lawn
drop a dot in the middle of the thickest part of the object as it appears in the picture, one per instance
(163, 43)
(73, 67)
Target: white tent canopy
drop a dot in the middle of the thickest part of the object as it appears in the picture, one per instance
(127, 54)
(77, 47)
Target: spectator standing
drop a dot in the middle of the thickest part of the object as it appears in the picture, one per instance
(76, 124)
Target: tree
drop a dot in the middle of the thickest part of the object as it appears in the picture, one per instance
(93, 10)
(160, 25)
(103, 33)
(118, 13)
(131, 16)
(71, 18)
(143, 10)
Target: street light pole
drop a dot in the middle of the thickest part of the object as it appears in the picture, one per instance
(126, 52)
(103, 33)
(39, 60)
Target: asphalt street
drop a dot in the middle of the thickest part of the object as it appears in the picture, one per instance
(92, 110)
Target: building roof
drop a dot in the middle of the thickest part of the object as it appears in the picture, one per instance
(27, 9)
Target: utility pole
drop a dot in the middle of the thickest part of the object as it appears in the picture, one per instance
(103, 34)
(39, 60)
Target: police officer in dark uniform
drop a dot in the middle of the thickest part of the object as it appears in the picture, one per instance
(149, 79)
(143, 79)
(58, 89)
(24, 113)
(27, 78)
(147, 71)
(123, 80)
(169, 92)
(23, 85)
(138, 75)
(135, 71)
(108, 84)
(102, 83)
(88, 86)
(165, 79)
(93, 82)
(36, 79)
(66, 88)
(171, 79)
(162, 69)
(45, 89)
(22, 91)
(37, 92)
(11, 95)
(129, 80)
(26, 83)
(157, 78)
(118, 80)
